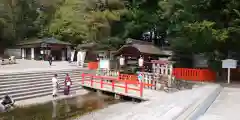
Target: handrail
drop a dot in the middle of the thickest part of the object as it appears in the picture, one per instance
(113, 83)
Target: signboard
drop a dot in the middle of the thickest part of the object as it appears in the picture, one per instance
(104, 64)
(229, 63)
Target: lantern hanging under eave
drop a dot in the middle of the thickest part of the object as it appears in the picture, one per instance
(140, 62)
(121, 61)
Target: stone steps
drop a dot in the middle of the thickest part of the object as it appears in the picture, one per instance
(40, 94)
(30, 88)
(29, 84)
(36, 74)
(33, 79)
(36, 84)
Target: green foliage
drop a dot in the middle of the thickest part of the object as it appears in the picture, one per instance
(102, 14)
(111, 43)
(68, 22)
(210, 27)
(200, 36)
(140, 18)
(207, 26)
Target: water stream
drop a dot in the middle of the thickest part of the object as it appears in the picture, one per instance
(60, 109)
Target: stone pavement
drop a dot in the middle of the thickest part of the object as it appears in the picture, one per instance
(104, 113)
(33, 65)
(164, 107)
(225, 107)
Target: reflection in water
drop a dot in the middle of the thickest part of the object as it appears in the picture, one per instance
(61, 109)
(67, 107)
(54, 111)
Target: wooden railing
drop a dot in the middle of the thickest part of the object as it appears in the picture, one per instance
(111, 81)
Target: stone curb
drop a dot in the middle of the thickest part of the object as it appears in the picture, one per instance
(200, 107)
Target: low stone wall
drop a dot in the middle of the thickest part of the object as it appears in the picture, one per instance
(200, 107)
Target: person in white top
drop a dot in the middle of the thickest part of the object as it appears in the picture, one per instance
(55, 85)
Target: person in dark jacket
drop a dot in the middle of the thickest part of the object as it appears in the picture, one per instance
(50, 59)
(7, 102)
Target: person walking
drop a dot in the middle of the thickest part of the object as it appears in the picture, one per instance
(55, 85)
(68, 84)
(50, 59)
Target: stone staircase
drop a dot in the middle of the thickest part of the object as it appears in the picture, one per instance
(36, 84)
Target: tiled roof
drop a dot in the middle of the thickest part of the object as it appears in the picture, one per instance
(145, 47)
(44, 40)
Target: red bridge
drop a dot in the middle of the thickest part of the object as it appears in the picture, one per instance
(114, 85)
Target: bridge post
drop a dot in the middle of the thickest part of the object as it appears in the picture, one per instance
(91, 81)
(170, 75)
(99, 92)
(116, 96)
(126, 87)
(141, 89)
(83, 78)
(101, 83)
(113, 85)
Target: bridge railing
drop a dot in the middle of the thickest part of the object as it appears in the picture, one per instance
(129, 78)
(113, 82)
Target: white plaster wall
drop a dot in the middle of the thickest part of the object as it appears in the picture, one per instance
(13, 52)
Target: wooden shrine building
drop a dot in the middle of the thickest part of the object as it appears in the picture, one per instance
(39, 49)
(133, 49)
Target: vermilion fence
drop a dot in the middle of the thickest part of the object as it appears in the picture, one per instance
(104, 80)
(92, 65)
(203, 75)
(133, 79)
(127, 78)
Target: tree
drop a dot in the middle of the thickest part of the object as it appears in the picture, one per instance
(202, 26)
(103, 13)
(139, 18)
(17, 18)
(69, 22)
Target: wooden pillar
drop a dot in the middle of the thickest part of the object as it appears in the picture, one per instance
(23, 51)
(32, 54)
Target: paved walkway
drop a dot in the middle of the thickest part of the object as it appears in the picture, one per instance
(225, 107)
(33, 65)
(160, 107)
